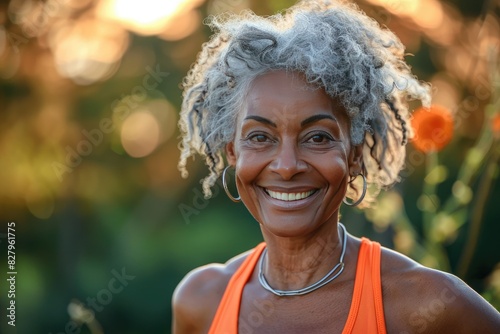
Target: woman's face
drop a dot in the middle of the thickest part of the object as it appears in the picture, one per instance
(292, 154)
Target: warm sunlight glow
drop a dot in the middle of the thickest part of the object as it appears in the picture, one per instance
(182, 26)
(428, 14)
(399, 7)
(87, 50)
(146, 17)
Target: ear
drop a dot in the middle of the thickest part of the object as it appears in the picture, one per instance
(230, 154)
(356, 160)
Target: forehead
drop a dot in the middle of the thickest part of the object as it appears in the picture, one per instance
(284, 91)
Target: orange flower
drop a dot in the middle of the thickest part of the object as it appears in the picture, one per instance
(495, 125)
(433, 128)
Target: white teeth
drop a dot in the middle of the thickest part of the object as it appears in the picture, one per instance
(289, 196)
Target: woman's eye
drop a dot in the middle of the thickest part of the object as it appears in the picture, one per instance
(320, 138)
(258, 138)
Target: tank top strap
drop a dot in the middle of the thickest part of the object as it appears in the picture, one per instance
(226, 317)
(366, 314)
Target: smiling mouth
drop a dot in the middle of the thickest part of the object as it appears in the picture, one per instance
(289, 196)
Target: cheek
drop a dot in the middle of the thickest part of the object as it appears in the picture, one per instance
(335, 170)
(248, 171)
(248, 167)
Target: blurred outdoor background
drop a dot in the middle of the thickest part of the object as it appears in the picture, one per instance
(105, 225)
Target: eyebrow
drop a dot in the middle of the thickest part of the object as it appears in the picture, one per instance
(309, 120)
(316, 118)
(262, 120)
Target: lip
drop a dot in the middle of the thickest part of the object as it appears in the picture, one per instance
(291, 205)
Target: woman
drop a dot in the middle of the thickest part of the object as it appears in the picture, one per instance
(308, 108)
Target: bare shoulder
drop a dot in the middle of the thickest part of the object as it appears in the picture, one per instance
(418, 299)
(197, 296)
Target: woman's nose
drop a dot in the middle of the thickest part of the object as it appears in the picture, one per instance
(287, 161)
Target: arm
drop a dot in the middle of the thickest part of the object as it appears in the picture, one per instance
(195, 300)
(197, 297)
(183, 320)
(423, 300)
(437, 302)
(463, 309)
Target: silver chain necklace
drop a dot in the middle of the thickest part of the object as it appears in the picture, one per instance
(330, 276)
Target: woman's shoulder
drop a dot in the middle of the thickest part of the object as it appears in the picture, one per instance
(197, 296)
(210, 279)
(421, 299)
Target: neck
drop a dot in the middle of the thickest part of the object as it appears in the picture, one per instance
(294, 263)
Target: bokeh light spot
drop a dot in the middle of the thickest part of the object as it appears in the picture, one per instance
(140, 134)
(87, 50)
(146, 17)
(183, 26)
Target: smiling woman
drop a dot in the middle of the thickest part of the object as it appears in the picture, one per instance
(301, 104)
(297, 139)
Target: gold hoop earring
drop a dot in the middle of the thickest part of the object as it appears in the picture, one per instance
(363, 193)
(224, 184)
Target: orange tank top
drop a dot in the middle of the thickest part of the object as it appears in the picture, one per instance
(366, 314)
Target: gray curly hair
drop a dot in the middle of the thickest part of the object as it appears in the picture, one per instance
(337, 48)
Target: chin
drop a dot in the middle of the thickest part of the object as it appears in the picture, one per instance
(289, 226)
